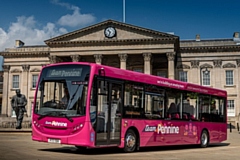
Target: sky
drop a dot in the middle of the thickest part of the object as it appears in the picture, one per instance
(34, 21)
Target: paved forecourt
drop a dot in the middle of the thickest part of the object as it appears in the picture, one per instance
(18, 145)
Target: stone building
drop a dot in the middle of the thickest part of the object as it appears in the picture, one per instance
(1, 88)
(213, 63)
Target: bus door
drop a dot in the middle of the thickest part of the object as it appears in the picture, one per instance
(109, 109)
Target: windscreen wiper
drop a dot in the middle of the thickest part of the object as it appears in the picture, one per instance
(73, 96)
(45, 115)
(65, 115)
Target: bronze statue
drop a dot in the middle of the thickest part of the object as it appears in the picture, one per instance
(18, 103)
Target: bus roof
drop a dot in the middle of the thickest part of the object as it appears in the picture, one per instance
(149, 79)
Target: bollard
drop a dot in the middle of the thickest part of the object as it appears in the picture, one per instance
(238, 127)
(230, 127)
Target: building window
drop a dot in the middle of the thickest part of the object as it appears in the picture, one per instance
(205, 77)
(15, 81)
(34, 81)
(162, 74)
(229, 77)
(231, 108)
(138, 70)
(183, 76)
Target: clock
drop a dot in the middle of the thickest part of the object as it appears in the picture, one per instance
(110, 32)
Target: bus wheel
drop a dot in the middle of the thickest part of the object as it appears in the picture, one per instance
(204, 139)
(130, 142)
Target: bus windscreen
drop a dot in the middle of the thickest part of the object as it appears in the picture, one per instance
(62, 91)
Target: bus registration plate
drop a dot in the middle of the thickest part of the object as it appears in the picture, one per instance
(50, 140)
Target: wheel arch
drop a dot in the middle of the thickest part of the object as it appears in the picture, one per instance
(137, 135)
(208, 138)
(205, 129)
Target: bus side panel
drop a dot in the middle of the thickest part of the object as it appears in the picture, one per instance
(172, 132)
(217, 131)
(161, 132)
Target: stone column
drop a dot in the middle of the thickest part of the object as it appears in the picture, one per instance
(6, 105)
(217, 73)
(195, 72)
(147, 69)
(171, 68)
(238, 91)
(123, 61)
(75, 58)
(98, 58)
(147, 63)
(25, 87)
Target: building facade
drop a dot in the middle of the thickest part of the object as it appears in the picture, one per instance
(1, 89)
(214, 63)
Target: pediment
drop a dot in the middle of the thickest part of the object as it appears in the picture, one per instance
(183, 66)
(125, 32)
(206, 66)
(16, 71)
(35, 70)
(229, 65)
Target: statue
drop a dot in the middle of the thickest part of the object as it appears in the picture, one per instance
(18, 103)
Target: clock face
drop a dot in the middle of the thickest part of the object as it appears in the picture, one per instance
(110, 32)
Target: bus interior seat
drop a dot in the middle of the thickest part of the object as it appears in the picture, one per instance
(177, 116)
(192, 117)
(169, 115)
(185, 116)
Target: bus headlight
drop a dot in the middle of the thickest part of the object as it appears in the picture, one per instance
(36, 124)
(77, 127)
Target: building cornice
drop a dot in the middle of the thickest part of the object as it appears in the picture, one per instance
(23, 54)
(108, 42)
(209, 49)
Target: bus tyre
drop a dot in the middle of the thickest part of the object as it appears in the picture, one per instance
(130, 141)
(204, 139)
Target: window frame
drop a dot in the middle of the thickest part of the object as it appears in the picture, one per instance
(138, 67)
(229, 79)
(183, 76)
(206, 79)
(13, 81)
(231, 108)
(161, 73)
(34, 81)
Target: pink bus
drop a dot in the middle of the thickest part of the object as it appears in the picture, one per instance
(91, 106)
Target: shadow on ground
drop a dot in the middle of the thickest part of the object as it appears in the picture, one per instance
(101, 151)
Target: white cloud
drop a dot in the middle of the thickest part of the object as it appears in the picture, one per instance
(76, 19)
(24, 29)
(27, 29)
